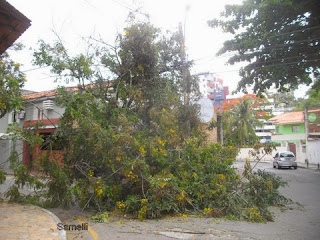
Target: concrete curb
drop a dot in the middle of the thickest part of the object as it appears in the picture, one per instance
(62, 233)
(310, 167)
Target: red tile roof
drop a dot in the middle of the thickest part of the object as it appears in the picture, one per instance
(30, 96)
(42, 94)
(290, 117)
(51, 93)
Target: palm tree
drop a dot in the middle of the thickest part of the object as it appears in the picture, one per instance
(240, 123)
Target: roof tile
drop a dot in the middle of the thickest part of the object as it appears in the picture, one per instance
(290, 117)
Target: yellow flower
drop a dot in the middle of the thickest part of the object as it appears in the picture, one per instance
(162, 184)
(181, 196)
(161, 142)
(140, 67)
(195, 175)
(121, 205)
(142, 151)
(171, 130)
(132, 176)
(221, 176)
(142, 213)
(144, 200)
(118, 159)
(90, 173)
(207, 210)
(99, 191)
(126, 32)
(163, 152)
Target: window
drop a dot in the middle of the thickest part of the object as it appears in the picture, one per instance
(286, 154)
(40, 114)
(295, 128)
(46, 137)
(51, 142)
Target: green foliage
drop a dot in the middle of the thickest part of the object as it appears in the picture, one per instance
(100, 217)
(71, 68)
(279, 39)
(2, 177)
(11, 81)
(261, 191)
(23, 178)
(131, 145)
(312, 102)
(239, 124)
(286, 99)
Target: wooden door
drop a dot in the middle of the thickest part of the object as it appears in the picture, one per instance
(292, 148)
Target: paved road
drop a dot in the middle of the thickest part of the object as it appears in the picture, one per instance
(299, 221)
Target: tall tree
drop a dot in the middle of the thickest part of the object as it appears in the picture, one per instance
(312, 102)
(11, 81)
(280, 40)
(239, 123)
(123, 129)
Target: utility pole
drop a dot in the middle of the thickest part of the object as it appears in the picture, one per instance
(185, 69)
(186, 88)
(220, 125)
(306, 126)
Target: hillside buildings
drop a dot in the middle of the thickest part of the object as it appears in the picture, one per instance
(212, 87)
(299, 132)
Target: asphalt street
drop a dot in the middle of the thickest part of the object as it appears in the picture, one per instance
(300, 220)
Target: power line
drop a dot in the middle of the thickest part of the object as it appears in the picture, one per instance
(301, 30)
(260, 67)
(279, 46)
(120, 3)
(33, 69)
(276, 59)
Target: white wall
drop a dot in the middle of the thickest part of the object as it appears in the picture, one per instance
(313, 151)
(33, 108)
(300, 155)
(288, 137)
(244, 153)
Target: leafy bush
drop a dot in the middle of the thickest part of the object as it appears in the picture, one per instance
(132, 145)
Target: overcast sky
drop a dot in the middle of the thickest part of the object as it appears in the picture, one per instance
(74, 19)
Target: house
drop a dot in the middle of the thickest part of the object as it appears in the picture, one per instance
(39, 107)
(291, 132)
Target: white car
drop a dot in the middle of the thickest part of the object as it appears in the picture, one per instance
(284, 159)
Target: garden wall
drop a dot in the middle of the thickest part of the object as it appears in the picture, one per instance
(244, 153)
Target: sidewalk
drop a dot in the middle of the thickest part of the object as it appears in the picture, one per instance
(25, 221)
(311, 166)
(240, 163)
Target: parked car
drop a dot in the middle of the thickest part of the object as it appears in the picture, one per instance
(284, 159)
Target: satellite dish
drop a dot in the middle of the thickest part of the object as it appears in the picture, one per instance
(206, 109)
